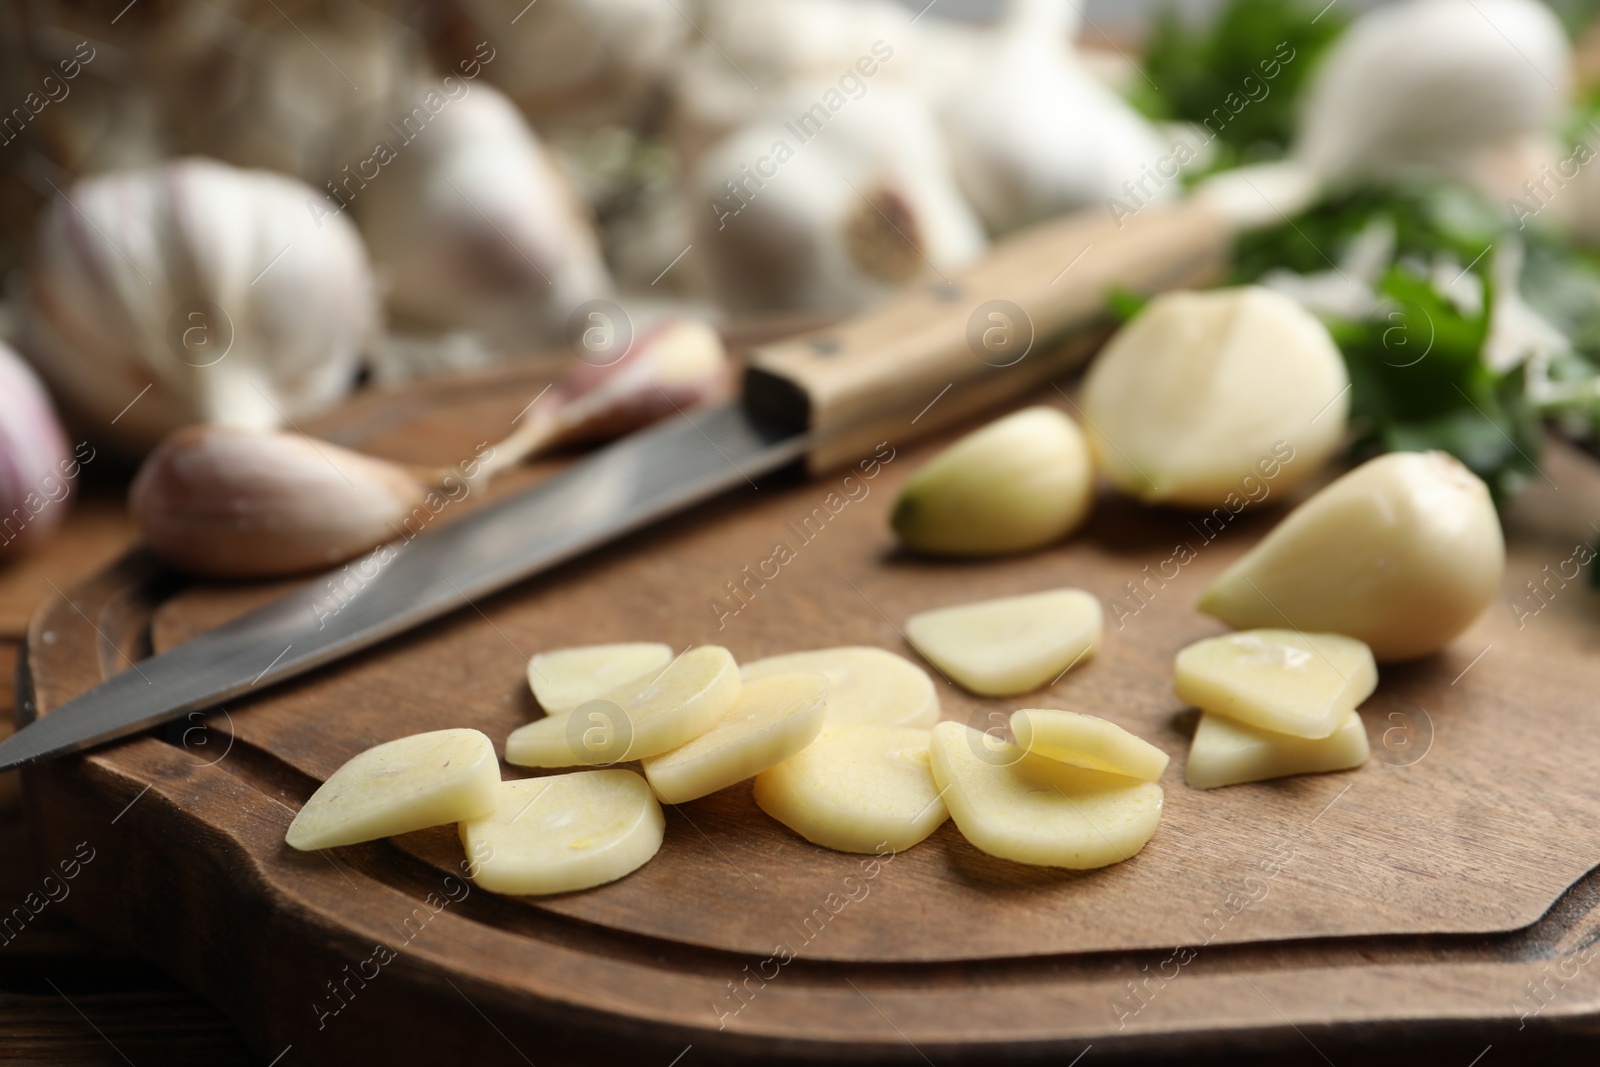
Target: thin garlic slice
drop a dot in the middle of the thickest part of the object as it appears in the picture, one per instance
(866, 686)
(567, 677)
(645, 717)
(407, 784)
(1279, 680)
(1227, 753)
(564, 832)
(1011, 645)
(1030, 809)
(776, 716)
(1086, 741)
(856, 789)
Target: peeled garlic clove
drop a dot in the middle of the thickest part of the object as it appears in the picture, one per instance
(1010, 645)
(1086, 741)
(1018, 483)
(567, 677)
(1030, 809)
(1225, 752)
(564, 832)
(866, 686)
(856, 789)
(407, 784)
(775, 717)
(645, 717)
(37, 469)
(1403, 553)
(238, 503)
(1279, 680)
(196, 292)
(1206, 399)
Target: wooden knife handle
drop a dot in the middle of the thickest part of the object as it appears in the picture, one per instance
(1033, 308)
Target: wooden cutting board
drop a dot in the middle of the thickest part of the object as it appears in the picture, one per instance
(1306, 918)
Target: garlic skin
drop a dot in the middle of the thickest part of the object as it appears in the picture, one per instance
(1404, 552)
(1432, 83)
(1204, 394)
(37, 467)
(472, 226)
(239, 503)
(195, 292)
(1020, 482)
(846, 217)
(1036, 134)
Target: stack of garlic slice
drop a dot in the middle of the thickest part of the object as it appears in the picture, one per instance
(1274, 703)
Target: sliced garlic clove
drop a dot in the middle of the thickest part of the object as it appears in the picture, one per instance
(1086, 741)
(1205, 398)
(1011, 645)
(866, 686)
(1227, 753)
(1404, 553)
(1030, 809)
(856, 789)
(403, 785)
(564, 832)
(1018, 483)
(776, 717)
(567, 677)
(645, 717)
(1279, 680)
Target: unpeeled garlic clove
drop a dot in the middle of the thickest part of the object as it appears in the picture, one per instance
(676, 366)
(1404, 553)
(231, 502)
(1205, 398)
(36, 467)
(1018, 483)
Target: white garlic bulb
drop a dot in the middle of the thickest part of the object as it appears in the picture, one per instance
(578, 63)
(831, 220)
(37, 470)
(1430, 83)
(195, 292)
(1036, 134)
(471, 225)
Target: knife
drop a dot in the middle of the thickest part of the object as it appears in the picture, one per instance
(930, 357)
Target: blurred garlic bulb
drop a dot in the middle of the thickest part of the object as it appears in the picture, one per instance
(36, 467)
(748, 53)
(471, 224)
(1431, 83)
(831, 221)
(1036, 134)
(575, 63)
(195, 292)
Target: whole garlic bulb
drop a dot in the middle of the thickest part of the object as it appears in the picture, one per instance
(845, 217)
(1036, 134)
(1430, 83)
(37, 468)
(471, 225)
(1404, 553)
(195, 292)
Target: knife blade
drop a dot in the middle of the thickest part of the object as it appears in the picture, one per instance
(626, 485)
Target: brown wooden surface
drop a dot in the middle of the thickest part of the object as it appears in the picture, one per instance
(1422, 895)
